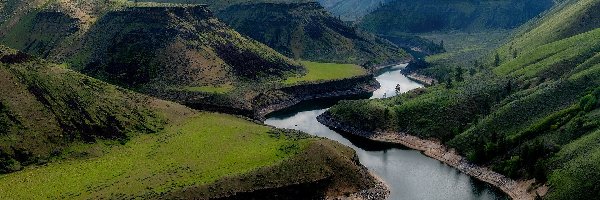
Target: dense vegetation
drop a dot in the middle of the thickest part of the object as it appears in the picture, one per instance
(529, 114)
(403, 16)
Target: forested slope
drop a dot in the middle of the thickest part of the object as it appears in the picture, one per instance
(531, 114)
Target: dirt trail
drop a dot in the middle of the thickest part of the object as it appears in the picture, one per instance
(515, 189)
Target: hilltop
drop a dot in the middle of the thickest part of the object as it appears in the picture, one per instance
(528, 115)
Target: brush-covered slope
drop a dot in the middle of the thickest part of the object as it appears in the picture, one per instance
(307, 31)
(403, 16)
(66, 135)
(533, 116)
(45, 107)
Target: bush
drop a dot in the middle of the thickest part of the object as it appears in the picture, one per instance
(588, 102)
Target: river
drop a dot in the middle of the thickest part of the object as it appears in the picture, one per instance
(410, 174)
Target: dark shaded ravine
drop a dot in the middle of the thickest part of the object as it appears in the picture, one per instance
(409, 173)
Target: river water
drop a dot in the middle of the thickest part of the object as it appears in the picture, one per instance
(410, 174)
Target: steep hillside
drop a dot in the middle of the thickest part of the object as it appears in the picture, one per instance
(532, 116)
(575, 17)
(66, 135)
(351, 10)
(173, 46)
(403, 16)
(44, 108)
(307, 31)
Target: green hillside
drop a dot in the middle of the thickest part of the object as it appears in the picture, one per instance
(532, 116)
(404, 16)
(66, 135)
(307, 31)
(39, 118)
(575, 17)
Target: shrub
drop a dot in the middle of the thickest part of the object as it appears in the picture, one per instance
(588, 102)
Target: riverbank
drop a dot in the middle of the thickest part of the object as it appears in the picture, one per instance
(425, 80)
(434, 149)
(282, 98)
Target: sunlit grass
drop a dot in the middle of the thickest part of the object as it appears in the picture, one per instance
(197, 152)
(326, 71)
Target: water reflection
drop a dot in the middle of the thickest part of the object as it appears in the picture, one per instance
(410, 174)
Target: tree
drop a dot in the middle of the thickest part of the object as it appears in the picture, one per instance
(458, 76)
(588, 102)
(472, 71)
(448, 83)
(398, 89)
(442, 44)
(496, 60)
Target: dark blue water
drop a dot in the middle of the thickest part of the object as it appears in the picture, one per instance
(410, 174)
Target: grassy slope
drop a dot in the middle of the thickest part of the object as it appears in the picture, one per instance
(36, 91)
(575, 17)
(534, 116)
(183, 155)
(326, 71)
(84, 139)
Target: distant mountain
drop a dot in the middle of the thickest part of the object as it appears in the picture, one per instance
(351, 10)
(307, 31)
(302, 29)
(402, 16)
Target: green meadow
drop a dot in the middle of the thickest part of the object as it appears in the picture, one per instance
(199, 151)
(326, 71)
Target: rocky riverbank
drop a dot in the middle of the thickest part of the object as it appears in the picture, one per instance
(520, 190)
(421, 79)
(378, 192)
